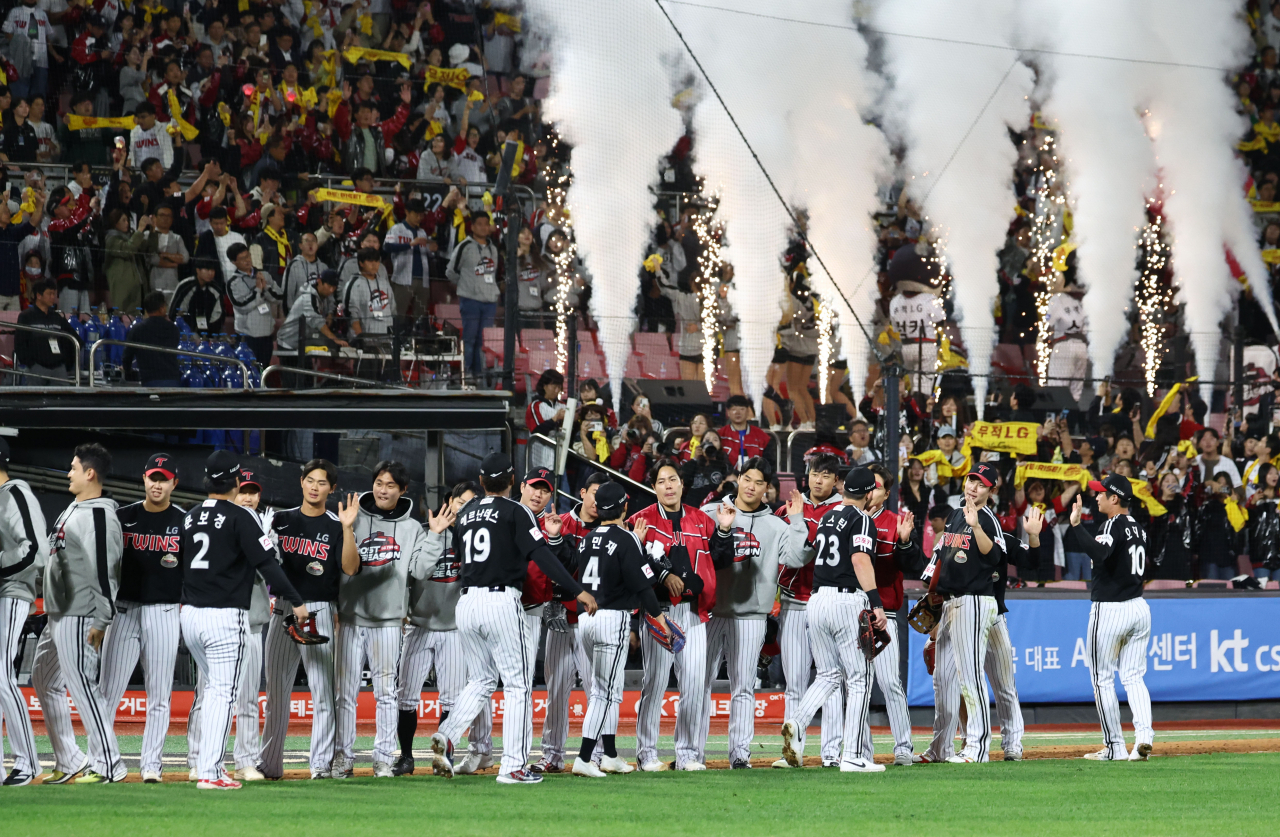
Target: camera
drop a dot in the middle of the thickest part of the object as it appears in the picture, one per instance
(595, 426)
(635, 435)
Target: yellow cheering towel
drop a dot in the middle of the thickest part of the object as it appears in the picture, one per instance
(938, 458)
(1060, 254)
(652, 263)
(28, 206)
(456, 77)
(1005, 436)
(512, 22)
(1142, 490)
(1165, 404)
(475, 96)
(79, 123)
(355, 54)
(1236, 515)
(366, 23)
(333, 100)
(189, 131)
(224, 113)
(1051, 471)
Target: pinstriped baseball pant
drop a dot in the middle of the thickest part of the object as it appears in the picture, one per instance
(66, 662)
(13, 707)
(797, 661)
(564, 656)
(885, 666)
(150, 631)
(1119, 633)
(282, 657)
(494, 633)
(690, 665)
(247, 748)
(964, 630)
(833, 634)
(382, 645)
(424, 649)
(999, 669)
(216, 638)
(605, 641)
(738, 642)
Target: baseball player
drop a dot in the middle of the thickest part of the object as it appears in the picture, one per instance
(371, 610)
(248, 747)
(146, 623)
(498, 538)
(222, 545)
(844, 585)
(894, 551)
(688, 546)
(431, 639)
(1119, 618)
(1069, 346)
(966, 563)
(998, 666)
(915, 312)
(745, 591)
(316, 548)
(616, 569)
(795, 584)
(563, 655)
(536, 492)
(22, 559)
(79, 597)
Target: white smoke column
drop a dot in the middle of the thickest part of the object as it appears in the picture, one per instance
(611, 99)
(1195, 128)
(1106, 155)
(746, 60)
(942, 91)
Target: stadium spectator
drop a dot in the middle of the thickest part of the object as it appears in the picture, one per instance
(155, 369)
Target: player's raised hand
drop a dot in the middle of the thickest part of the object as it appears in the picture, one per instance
(971, 514)
(640, 528)
(906, 526)
(795, 504)
(1033, 521)
(726, 512)
(553, 523)
(588, 601)
(1077, 509)
(438, 523)
(349, 511)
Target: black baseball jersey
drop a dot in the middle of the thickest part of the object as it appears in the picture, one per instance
(151, 563)
(223, 546)
(616, 570)
(842, 533)
(310, 552)
(497, 538)
(1119, 555)
(965, 570)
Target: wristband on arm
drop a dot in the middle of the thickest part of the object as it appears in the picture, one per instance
(873, 596)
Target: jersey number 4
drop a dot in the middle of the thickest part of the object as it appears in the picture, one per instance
(1138, 559)
(591, 575)
(475, 543)
(829, 546)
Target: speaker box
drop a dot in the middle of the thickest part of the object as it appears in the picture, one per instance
(1053, 400)
(673, 403)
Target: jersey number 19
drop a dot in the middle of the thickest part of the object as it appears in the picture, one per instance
(475, 545)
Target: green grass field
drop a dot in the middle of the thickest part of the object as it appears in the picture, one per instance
(1193, 795)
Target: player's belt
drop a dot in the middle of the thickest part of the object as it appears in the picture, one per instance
(466, 590)
(840, 589)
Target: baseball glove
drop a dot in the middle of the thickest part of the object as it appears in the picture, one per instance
(930, 650)
(555, 617)
(925, 615)
(304, 632)
(673, 643)
(871, 640)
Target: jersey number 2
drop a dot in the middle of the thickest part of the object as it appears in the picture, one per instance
(1138, 559)
(477, 547)
(198, 562)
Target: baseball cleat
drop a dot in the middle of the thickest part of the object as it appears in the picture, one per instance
(861, 766)
(693, 765)
(17, 779)
(442, 755)
(546, 765)
(92, 777)
(322, 774)
(1013, 755)
(831, 762)
(782, 764)
(613, 764)
(470, 764)
(959, 760)
(403, 766)
(1102, 755)
(653, 766)
(382, 770)
(1140, 752)
(343, 768)
(929, 758)
(248, 774)
(585, 768)
(789, 733)
(740, 764)
(150, 777)
(223, 782)
(904, 759)
(521, 777)
(193, 775)
(61, 777)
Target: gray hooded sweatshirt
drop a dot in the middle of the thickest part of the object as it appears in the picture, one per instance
(746, 588)
(22, 541)
(435, 584)
(84, 562)
(389, 544)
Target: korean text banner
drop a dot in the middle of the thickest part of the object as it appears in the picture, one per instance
(1202, 648)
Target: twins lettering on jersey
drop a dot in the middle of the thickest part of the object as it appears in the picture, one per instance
(952, 539)
(153, 543)
(745, 546)
(378, 550)
(308, 548)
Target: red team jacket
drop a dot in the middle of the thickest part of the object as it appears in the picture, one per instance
(739, 447)
(696, 531)
(572, 532)
(537, 587)
(796, 583)
(888, 572)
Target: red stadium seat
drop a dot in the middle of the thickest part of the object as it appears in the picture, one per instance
(1166, 584)
(650, 344)
(538, 339)
(660, 367)
(539, 362)
(633, 367)
(493, 345)
(592, 366)
(451, 313)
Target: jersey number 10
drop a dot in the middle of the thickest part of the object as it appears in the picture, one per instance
(1138, 559)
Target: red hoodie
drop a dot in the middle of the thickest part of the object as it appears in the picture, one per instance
(696, 532)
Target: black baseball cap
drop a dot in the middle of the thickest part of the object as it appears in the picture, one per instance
(540, 475)
(496, 465)
(1117, 485)
(221, 465)
(248, 477)
(4, 453)
(985, 472)
(330, 277)
(858, 481)
(163, 464)
(611, 501)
